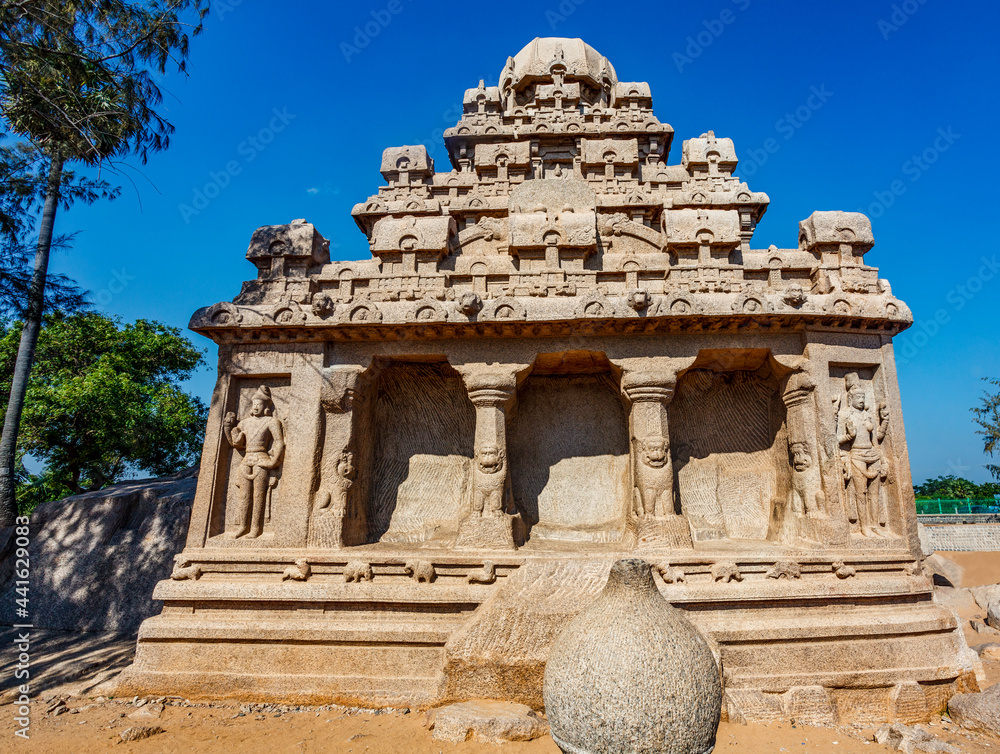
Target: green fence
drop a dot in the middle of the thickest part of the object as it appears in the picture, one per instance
(969, 505)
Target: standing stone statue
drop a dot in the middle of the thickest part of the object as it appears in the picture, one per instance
(261, 436)
(865, 467)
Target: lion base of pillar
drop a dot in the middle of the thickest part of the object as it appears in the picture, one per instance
(486, 532)
(666, 533)
(326, 530)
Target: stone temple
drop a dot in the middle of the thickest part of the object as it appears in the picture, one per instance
(563, 350)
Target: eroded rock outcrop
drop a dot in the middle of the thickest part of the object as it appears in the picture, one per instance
(95, 558)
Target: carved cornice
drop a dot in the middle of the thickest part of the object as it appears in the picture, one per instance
(694, 324)
(528, 316)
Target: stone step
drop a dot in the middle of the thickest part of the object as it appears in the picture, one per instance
(294, 656)
(318, 689)
(430, 630)
(467, 596)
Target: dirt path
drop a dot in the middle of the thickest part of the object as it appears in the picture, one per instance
(95, 726)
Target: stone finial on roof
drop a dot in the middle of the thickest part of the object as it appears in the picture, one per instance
(831, 230)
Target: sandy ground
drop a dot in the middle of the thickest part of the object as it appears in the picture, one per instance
(980, 568)
(95, 726)
(70, 666)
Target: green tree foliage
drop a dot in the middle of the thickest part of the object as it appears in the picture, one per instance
(77, 76)
(103, 401)
(22, 192)
(951, 487)
(76, 84)
(988, 418)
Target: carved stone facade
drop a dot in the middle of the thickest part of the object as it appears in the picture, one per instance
(562, 351)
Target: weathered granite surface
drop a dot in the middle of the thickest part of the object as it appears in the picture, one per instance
(560, 350)
(632, 675)
(64, 662)
(910, 740)
(95, 558)
(943, 572)
(486, 721)
(977, 711)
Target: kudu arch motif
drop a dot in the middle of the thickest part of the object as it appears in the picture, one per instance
(562, 350)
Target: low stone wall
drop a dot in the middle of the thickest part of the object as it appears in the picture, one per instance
(959, 518)
(964, 537)
(94, 559)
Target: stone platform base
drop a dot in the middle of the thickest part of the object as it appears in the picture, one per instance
(668, 533)
(486, 532)
(871, 647)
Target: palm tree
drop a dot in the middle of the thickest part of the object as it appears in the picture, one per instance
(76, 83)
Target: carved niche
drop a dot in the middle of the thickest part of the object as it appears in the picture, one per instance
(865, 463)
(422, 426)
(257, 438)
(569, 448)
(729, 451)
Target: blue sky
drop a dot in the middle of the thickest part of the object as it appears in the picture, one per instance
(871, 106)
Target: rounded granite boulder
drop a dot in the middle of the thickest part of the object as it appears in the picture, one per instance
(631, 675)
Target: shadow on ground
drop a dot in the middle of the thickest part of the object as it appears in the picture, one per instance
(70, 662)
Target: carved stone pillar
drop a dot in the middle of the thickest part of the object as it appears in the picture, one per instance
(489, 523)
(653, 475)
(338, 511)
(807, 492)
(806, 515)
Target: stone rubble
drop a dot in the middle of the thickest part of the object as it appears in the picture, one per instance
(485, 721)
(910, 740)
(977, 711)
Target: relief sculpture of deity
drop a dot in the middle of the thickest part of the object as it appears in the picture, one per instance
(865, 466)
(260, 436)
(491, 482)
